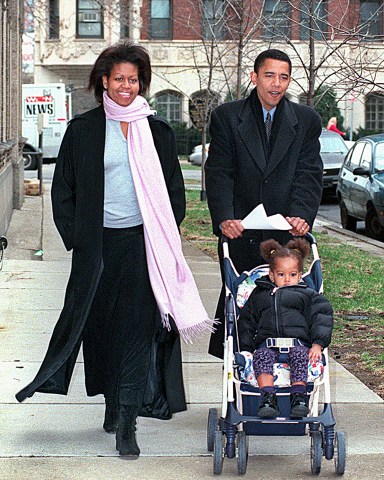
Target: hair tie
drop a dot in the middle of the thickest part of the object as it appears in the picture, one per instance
(272, 251)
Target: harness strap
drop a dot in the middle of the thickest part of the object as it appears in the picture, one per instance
(283, 344)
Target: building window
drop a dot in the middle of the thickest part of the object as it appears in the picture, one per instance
(371, 19)
(374, 112)
(160, 26)
(277, 19)
(213, 14)
(89, 19)
(124, 19)
(201, 105)
(168, 105)
(319, 15)
(54, 19)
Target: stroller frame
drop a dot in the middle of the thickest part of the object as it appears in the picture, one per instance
(226, 435)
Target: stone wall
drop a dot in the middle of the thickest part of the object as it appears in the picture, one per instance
(11, 161)
(6, 186)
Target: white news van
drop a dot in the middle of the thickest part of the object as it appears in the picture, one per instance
(55, 102)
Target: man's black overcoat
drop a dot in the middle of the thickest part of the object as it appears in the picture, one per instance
(78, 202)
(241, 174)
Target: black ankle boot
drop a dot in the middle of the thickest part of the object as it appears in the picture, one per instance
(111, 417)
(125, 437)
(299, 405)
(268, 407)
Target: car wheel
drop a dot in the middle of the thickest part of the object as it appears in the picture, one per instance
(347, 222)
(373, 225)
(30, 161)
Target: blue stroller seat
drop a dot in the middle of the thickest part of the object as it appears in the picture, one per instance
(227, 433)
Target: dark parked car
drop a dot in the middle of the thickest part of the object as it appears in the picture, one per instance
(333, 150)
(360, 188)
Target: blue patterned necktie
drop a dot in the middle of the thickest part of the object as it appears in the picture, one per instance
(268, 125)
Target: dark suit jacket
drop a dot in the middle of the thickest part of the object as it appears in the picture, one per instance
(239, 176)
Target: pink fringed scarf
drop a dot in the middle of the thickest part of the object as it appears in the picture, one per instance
(171, 279)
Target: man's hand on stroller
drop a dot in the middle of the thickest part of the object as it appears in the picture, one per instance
(232, 228)
(299, 226)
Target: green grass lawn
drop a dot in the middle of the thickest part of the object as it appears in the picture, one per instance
(353, 283)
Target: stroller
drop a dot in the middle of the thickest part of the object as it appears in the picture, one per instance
(227, 434)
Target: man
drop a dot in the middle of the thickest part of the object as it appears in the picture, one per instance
(264, 149)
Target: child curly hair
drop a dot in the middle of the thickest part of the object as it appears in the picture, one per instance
(297, 248)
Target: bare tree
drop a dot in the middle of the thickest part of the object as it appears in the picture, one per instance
(337, 45)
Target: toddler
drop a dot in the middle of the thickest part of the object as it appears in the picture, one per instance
(283, 306)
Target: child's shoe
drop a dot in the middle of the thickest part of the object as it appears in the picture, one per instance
(268, 407)
(299, 405)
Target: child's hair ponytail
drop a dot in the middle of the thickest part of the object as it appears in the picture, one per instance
(297, 248)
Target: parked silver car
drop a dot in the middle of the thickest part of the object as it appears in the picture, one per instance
(197, 154)
(333, 150)
(360, 188)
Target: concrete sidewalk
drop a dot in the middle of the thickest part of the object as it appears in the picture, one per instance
(61, 437)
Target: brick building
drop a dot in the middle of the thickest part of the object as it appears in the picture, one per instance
(11, 162)
(206, 48)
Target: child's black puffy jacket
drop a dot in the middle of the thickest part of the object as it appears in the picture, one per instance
(294, 311)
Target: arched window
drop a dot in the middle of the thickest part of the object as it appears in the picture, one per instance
(168, 105)
(201, 105)
(374, 112)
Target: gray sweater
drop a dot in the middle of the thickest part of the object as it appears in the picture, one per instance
(121, 208)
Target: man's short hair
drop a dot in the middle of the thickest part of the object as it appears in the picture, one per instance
(275, 55)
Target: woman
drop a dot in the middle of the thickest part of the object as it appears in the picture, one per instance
(332, 126)
(118, 198)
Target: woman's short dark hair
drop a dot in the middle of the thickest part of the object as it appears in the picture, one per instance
(274, 54)
(120, 53)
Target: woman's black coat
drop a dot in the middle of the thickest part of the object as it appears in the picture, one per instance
(294, 311)
(78, 203)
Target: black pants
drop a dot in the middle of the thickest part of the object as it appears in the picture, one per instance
(119, 330)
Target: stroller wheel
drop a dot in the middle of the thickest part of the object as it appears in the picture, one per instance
(340, 454)
(218, 453)
(211, 428)
(316, 452)
(242, 453)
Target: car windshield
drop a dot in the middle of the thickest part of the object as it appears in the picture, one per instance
(379, 157)
(332, 144)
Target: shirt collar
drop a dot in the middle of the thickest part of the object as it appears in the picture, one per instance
(272, 112)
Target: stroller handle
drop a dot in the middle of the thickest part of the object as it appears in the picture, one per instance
(308, 236)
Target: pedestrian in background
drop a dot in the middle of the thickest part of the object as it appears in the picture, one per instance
(118, 199)
(332, 126)
(264, 150)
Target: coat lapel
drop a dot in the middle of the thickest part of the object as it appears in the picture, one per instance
(96, 136)
(249, 133)
(285, 136)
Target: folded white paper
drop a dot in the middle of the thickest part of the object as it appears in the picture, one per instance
(258, 220)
